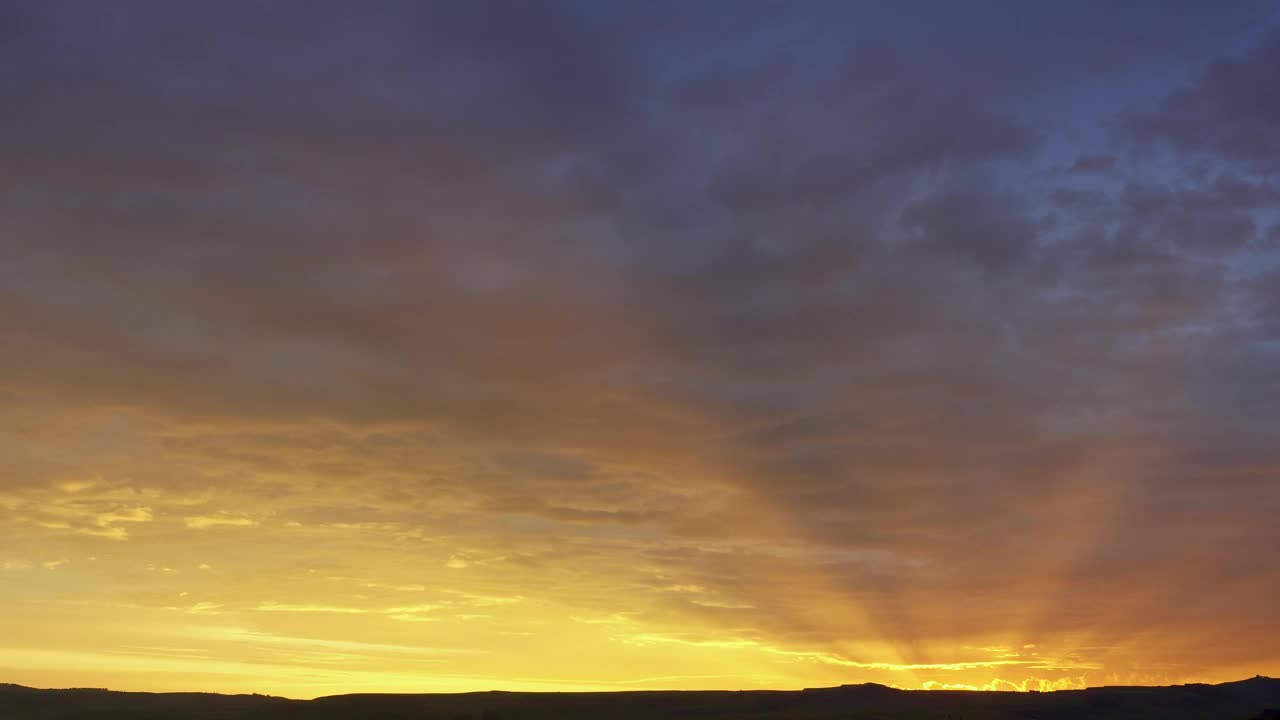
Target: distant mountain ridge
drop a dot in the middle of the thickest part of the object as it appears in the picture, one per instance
(1255, 699)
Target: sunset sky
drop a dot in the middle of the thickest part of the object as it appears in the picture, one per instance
(529, 345)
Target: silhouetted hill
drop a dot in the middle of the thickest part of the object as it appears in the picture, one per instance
(1246, 700)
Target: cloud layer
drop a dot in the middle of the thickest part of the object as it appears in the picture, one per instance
(718, 344)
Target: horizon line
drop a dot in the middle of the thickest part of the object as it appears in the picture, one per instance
(976, 691)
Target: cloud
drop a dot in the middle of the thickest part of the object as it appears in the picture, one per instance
(293, 608)
(222, 519)
(978, 227)
(1093, 163)
(1226, 111)
(202, 608)
(918, 337)
(131, 515)
(424, 612)
(97, 514)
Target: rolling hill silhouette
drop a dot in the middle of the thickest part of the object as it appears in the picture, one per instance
(1254, 699)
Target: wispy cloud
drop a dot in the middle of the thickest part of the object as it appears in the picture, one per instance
(221, 519)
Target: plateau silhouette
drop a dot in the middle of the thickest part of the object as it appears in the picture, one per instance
(1253, 699)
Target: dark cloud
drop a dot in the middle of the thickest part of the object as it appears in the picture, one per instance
(983, 228)
(795, 306)
(1228, 111)
(1093, 164)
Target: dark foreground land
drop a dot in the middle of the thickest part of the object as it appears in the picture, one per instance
(1243, 700)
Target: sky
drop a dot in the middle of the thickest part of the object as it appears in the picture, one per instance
(446, 346)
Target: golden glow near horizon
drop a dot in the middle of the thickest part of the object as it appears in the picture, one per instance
(288, 576)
